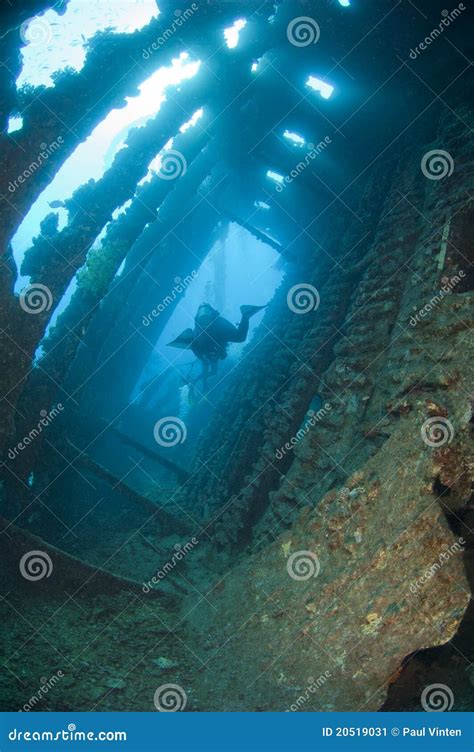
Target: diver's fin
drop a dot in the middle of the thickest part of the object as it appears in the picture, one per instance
(184, 340)
(251, 310)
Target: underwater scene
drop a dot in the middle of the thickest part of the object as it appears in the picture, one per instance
(236, 355)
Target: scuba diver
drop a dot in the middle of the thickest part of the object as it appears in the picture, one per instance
(211, 336)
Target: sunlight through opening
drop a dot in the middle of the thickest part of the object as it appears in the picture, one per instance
(232, 33)
(322, 87)
(295, 138)
(275, 176)
(54, 42)
(92, 157)
(15, 124)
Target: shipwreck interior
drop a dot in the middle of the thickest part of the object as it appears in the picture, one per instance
(296, 532)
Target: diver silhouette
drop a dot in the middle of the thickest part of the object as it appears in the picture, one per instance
(211, 336)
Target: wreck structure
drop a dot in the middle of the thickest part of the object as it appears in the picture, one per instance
(304, 540)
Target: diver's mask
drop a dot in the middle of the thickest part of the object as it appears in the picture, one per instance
(205, 315)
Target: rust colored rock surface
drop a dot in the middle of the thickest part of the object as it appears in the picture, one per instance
(329, 611)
